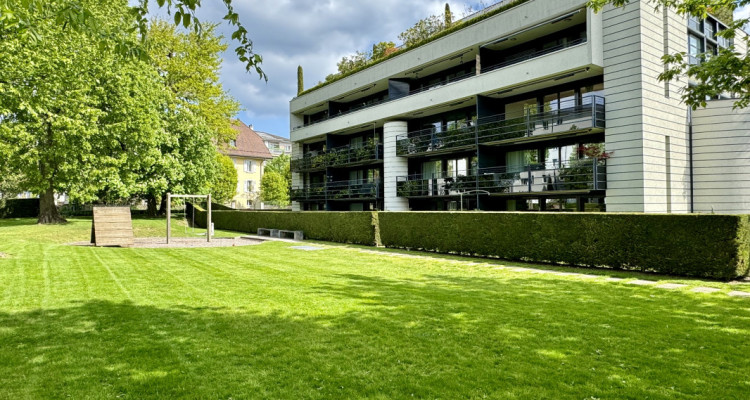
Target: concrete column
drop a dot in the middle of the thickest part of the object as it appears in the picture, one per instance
(297, 178)
(393, 166)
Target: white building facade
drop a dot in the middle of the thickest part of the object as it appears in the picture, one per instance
(545, 106)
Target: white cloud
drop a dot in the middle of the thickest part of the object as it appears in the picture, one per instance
(311, 33)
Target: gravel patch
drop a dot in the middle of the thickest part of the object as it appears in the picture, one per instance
(671, 286)
(175, 243)
(702, 289)
(641, 282)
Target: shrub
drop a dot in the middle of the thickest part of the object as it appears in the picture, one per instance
(342, 227)
(19, 208)
(713, 246)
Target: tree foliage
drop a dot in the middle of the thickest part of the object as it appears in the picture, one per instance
(300, 80)
(362, 58)
(81, 16)
(97, 124)
(422, 29)
(276, 181)
(81, 118)
(224, 182)
(727, 72)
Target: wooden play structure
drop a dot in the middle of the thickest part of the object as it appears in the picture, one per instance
(112, 226)
(171, 196)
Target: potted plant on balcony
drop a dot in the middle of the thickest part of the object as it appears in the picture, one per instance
(579, 174)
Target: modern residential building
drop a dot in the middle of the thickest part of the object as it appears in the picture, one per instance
(277, 145)
(545, 105)
(248, 153)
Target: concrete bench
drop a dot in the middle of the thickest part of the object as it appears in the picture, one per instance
(268, 232)
(296, 235)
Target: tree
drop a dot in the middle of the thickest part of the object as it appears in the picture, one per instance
(422, 30)
(82, 118)
(224, 182)
(382, 49)
(80, 15)
(199, 113)
(727, 72)
(448, 16)
(300, 80)
(276, 181)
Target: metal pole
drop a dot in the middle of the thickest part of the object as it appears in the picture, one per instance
(169, 215)
(208, 220)
(461, 199)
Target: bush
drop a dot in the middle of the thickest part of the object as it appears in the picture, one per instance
(713, 246)
(19, 208)
(342, 227)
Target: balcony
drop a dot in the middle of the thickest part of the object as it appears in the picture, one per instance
(500, 129)
(340, 190)
(579, 176)
(524, 56)
(339, 157)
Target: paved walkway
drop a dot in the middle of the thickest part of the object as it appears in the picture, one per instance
(639, 282)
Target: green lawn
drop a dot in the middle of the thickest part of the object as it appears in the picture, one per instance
(268, 321)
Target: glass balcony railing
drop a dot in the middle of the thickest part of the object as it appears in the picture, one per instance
(340, 190)
(338, 157)
(500, 128)
(575, 176)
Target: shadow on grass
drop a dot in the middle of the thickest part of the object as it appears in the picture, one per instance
(8, 222)
(441, 336)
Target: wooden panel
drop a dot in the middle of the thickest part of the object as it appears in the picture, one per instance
(112, 226)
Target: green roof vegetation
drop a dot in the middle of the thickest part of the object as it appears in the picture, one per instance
(457, 26)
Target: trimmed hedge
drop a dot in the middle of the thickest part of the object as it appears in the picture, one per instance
(19, 208)
(343, 227)
(713, 246)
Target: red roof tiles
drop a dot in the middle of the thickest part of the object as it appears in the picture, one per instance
(249, 143)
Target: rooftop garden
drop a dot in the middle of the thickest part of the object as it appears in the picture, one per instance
(423, 32)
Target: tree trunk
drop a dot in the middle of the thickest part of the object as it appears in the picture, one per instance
(48, 213)
(163, 205)
(151, 210)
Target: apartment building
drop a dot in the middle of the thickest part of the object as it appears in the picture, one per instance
(277, 145)
(544, 106)
(248, 153)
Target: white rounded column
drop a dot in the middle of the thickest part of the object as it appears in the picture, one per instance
(393, 166)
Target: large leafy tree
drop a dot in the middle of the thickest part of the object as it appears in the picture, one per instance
(199, 111)
(80, 119)
(81, 15)
(727, 72)
(276, 181)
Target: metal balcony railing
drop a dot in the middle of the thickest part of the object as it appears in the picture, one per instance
(500, 128)
(446, 81)
(575, 176)
(525, 56)
(339, 190)
(338, 157)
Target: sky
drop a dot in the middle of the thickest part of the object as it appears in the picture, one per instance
(315, 34)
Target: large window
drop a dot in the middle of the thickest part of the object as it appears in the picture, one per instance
(249, 186)
(695, 49)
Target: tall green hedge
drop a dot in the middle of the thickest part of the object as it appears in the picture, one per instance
(343, 227)
(19, 208)
(714, 246)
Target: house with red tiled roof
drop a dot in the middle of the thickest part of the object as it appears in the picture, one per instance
(248, 153)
